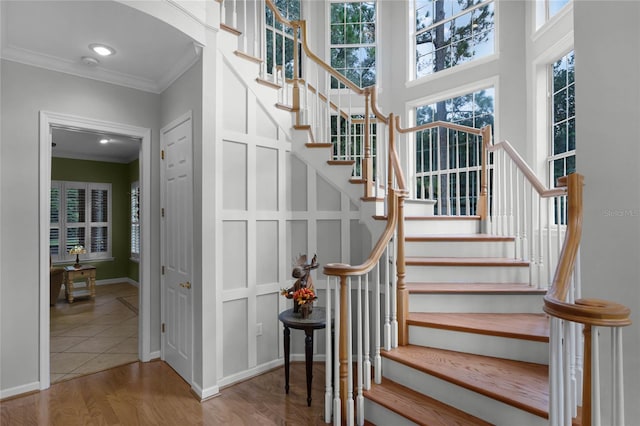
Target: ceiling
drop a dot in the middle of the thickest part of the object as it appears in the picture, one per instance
(85, 145)
(55, 35)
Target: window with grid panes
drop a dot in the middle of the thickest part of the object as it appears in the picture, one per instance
(451, 32)
(353, 41)
(562, 158)
(80, 216)
(279, 38)
(440, 153)
(547, 9)
(135, 220)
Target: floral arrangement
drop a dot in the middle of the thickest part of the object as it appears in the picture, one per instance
(304, 295)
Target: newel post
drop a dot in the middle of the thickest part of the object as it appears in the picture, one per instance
(483, 199)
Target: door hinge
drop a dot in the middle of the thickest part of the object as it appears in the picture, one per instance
(162, 269)
(163, 327)
(162, 211)
(162, 154)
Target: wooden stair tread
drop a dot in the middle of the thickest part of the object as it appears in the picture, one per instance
(417, 407)
(478, 288)
(319, 145)
(464, 261)
(458, 237)
(268, 83)
(341, 162)
(524, 385)
(534, 327)
(248, 57)
(284, 107)
(230, 29)
(447, 218)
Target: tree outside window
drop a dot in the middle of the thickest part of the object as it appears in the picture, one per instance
(353, 42)
(452, 32)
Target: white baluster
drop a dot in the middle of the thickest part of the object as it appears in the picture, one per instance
(387, 301)
(569, 406)
(359, 338)
(377, 360)
(595, 377)
(367, 345)
(617, 394)
(350, 412)
(394, 299)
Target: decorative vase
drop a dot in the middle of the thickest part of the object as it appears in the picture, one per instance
(305, 310)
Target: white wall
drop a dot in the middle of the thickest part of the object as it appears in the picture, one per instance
(27, 90)
(608, 152)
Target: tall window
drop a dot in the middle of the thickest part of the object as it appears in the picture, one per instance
(562, 158)
(547, 9)
(80, 216)
(353, 41)
(135, 220)
(448, 162)
(451, 32)
(280, 38)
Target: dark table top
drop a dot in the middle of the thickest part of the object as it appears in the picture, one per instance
(316, 320)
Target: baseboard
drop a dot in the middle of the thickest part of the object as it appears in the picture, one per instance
(117, 281)
(19, 390)
(204, 394)
(250, 373)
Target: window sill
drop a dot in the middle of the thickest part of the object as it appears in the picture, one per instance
(134, 259)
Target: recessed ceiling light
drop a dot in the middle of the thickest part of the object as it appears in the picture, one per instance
(102, 49)
(103, 141)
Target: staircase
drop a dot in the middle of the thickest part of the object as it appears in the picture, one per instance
(476, 346)
(478, 340)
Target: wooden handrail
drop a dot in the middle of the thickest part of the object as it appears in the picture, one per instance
(435, 124)
(529, 174)
(343, 269)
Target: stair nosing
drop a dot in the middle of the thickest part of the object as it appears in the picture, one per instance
(471, 359)
(458, 237)
(472, 288)
(464, 261)
(423, 404)
(473, 324)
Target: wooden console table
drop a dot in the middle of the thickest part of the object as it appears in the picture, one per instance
(316, 321)
(88, 273)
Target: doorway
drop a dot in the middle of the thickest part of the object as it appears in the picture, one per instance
(49, 121)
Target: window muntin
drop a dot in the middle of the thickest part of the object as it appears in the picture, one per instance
(353, 41)
(562, 152)
(80, 216)
(452, 32)
(547, 9)
(280, 38)
(135, 220)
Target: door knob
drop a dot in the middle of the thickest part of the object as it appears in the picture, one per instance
(187, 285)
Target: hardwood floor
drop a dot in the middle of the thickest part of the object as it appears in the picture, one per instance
(153, 394)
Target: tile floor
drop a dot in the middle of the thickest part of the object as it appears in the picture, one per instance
(88, 336)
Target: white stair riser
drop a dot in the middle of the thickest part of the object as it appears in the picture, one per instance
(460, 248)
(427, 227)
(418, 207)
(466, 400)
(501, 347)
(468, 274)
(379, 415)
(477, 303)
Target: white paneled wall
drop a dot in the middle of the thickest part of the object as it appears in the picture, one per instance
(273, 208)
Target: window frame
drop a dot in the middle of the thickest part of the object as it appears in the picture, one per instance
(62, 224)
(134, 216)
(331, 45)
(543, 13)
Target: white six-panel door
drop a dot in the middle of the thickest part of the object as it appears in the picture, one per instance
(177, 245)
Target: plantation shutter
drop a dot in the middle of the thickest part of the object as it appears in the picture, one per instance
(99, 221)
(75, 217)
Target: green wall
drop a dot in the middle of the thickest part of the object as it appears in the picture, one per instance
(119, 176)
